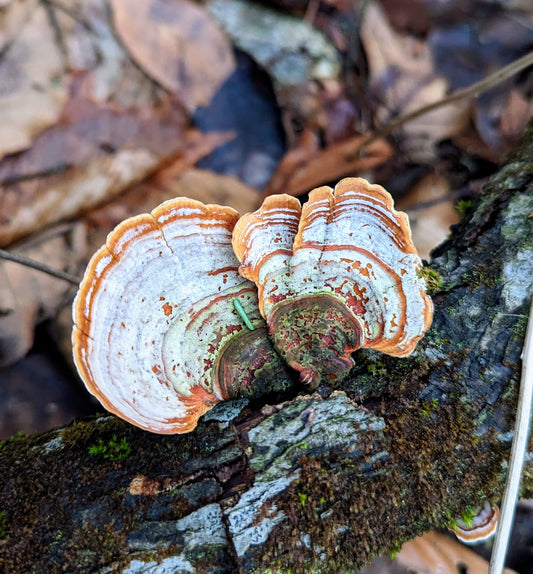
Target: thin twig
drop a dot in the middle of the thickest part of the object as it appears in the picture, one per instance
(47, 172)
(470, 92)
(518, 452)
(16, 258)
(54, 25)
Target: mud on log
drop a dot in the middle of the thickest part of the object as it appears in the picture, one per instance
(316, 482)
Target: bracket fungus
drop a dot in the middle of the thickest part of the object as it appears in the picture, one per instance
(167, 324)
(337, 275)
(480, 527)
(156, 337)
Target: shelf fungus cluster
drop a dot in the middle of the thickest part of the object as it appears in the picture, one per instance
(190, 305)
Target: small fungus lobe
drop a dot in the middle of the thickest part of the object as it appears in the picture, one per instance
(481, 527)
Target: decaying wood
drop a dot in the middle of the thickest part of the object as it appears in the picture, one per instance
(319, 482)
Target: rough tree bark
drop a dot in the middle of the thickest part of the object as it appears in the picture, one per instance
(319, 482)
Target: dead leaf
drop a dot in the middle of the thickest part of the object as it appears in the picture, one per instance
(413, 16)
(37, 394)
(210, 187)
(435, 553)
(307, 166)
(13, 15)
(467, 49)
(17, 318)
(431, 211)
(92, 155)
(515, 115)
(91, 47)
(403, 79)
(33, 83)
(501, 116)
(175, 181)
(177, 44)
(27, 296)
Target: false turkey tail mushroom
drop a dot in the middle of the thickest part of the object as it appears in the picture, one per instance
(338, 275)
(156, 335)
(479, 527)
(167, 324)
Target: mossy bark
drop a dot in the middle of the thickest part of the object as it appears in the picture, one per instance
(319, 482)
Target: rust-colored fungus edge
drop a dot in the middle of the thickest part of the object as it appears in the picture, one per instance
(200, 400)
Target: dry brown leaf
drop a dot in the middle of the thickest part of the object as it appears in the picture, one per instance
(435, 553)
(28, 296)
(174, 181)
(13, 15)
(93, 154)
(515, 115)
(177, 44)
(403, 79)
(410, 15)
(431, 211)
(99, 147)
(210, 187)
(501, 118)
(143, 197)
(92, 47)
(33, 83)
(17, 318)
(471, 141)
(307, 166)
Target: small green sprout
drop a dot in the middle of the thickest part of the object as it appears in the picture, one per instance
(463, 205)
(377, 369)
(395, 549)
(429, 407)
(468, 517)
(242, 314)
